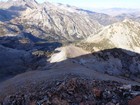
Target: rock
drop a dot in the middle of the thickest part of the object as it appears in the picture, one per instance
(74, 91)
(97, 92)
(135, 101)
(82, 103)
(107, 94)
(126, 87)
(87, 103)
(61, 86)
(71, 85)
(135, 93)
(110, 103)
(43, 101)
(58, 101)
(136, 88)
(32, 103)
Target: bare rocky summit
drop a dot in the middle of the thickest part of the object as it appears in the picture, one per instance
(77, 91)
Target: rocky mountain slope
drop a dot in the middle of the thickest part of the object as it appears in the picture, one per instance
(22, 4)
(104, 19)
(76, 90)
(13, 61)
(133, 16)
(36, 65)
(124, 35)
(51, 21)
(119, 49)
(64, 22)
(22, 53)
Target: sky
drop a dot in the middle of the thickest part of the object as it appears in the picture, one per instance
(89, 4)
(101, 3)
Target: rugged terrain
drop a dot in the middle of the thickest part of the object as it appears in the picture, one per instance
(116, 48)
(47, 49)
(50, 21)
(123, 34)
(78, 91)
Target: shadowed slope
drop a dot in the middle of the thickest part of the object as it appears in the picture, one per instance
(86, 66)
(23, 53)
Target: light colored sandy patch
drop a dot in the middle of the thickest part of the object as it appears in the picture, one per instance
(67, 52)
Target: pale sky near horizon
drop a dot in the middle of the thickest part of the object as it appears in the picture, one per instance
(89, 4)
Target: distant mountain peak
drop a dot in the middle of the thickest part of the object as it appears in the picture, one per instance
(118, 35)
(19, 3)
(56, 22)
(127, 20)
(22, 1)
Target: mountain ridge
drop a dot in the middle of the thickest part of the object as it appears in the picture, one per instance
(54, 21)
(121, 35)
(41, 45)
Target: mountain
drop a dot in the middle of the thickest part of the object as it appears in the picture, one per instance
(124, 38)
(133, 16)
(54, 22)
(18, 4)
(29, 26)
(117, 11)
(118, 14)
(23, 53)
(13, 62)
(41, 86)
(102, 18)
(47, 20)
(55, 54)
(124, 35)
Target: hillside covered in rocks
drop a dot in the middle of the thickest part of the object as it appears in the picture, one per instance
(57, 54)
(76, 91)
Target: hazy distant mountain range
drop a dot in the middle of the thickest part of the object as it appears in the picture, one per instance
(118, 11)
